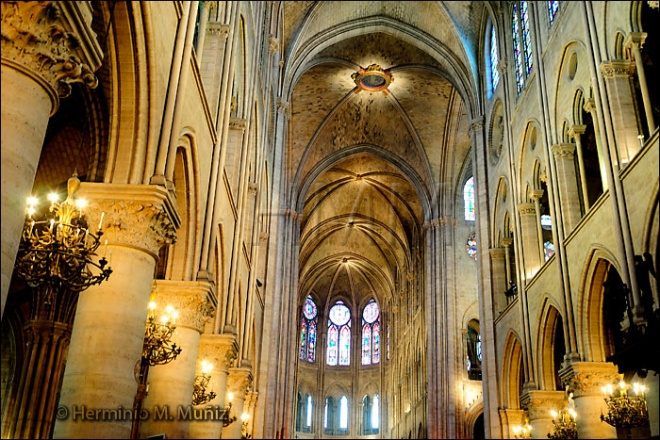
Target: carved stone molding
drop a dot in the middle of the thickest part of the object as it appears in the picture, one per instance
(237, 124)
(218, 29)
(635, 39)
(577, 130)
(563, 151)
(496, 253)
(283, 106)
(587, 378)
(536, 194)
(538, 403)
(34, 40)
(440, 221)
(506, 241)
(142, 216)
(476, 125)
(251, 399)
(239, 381)
(221, 350)
(590, 105)
(190, 298)
(527, 209)
(612, 69)
(252, 188)
(501, 66)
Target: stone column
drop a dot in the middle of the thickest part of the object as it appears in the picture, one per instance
(108, 332)
(585, 380)
(590, 107)
(635, 41)
(211, 60)
(171, 385)
(238, 383)
(539, 403)
(623, 109)
(498, 277)
(576, 132)
(220, 350)
(564, 155)
(536, 195)
(41, 56)
(530, 247)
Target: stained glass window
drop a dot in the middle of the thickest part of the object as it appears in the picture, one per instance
(468, 199)
(371, 333)
(527, 39)
(494, 59)
(553, 7)
(307, 347)
(308, 418)
(339, 335)
(517, 50)
(548, 250)
(471, 246)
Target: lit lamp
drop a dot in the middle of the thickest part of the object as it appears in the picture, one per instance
(157, 349)
(56, 248)
(522, 431)
(200, 396)
(623, 410)
(244, 426)
(565, 424)
(227, 418)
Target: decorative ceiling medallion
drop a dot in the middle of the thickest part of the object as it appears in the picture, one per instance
(372, 79)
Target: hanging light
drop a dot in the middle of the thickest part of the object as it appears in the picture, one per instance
(57, 250)
(565, 425)
(522, 431)
(200, 396)
(623, 410)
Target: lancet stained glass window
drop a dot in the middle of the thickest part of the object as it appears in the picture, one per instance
(517, 50)
(371, 333)
(468, 199)
(522, 43)
(553, 7)
(308, 331)
(339, 335)
(494, 59)
(527, 39)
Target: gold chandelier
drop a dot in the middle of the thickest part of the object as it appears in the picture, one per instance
(57, 249)
(565, 424)
(200, 396)
(227, 418)
(623, 410)
(522, 431)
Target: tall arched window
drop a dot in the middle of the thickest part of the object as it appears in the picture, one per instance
(371, 333)
(494, 60)
(553, 7)
(522, 43)
(329, 416)
(375, 414)
(339, 335)
(308, 331)
(468, 199)
(308, 415)
(473, 350)
(343, 415)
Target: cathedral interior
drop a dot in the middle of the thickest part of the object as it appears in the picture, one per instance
(330, 219)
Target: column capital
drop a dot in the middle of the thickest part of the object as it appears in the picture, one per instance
(506, 241)
(590, 105)
(52, 40)
(538, 403)
(192, 299)
(273, 45)
(635, 39)
(563, 151)
(239, 380)
(282, 106)
(237, 124)
(527, 209)
(217, 29)
(219, 349)
(142, 216)
(577, 130)
(477, 124)
(536, 194)
(617, 68)
(496, 253)
(587, 378)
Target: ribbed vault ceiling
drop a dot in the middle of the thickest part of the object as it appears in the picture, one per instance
(366, 170)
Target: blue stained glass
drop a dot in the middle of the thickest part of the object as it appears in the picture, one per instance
(370, 313)
(366, 344)
(344, 346)
(517, 51)
(494, 59)
(468, 199)
(303, 341)
(311, 344)
(527, 39)
(332, 345)
(309, 308)
(471, 246)
(548, 250)
(375, 357)
(553, 7)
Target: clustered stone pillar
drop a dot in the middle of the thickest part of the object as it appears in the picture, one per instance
(171, 385)
(585, 380)
(635, 41)
(238, 383)
(220, 350)
(576, 132)
(498, 275)
(107, 338)
(530, 239)
(40, 59)
(564, 155)
(539, 403)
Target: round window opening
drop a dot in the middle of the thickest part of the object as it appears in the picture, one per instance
(372, 79)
